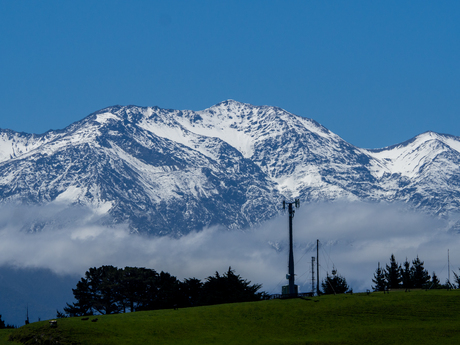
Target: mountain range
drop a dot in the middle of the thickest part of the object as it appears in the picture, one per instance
(169, 172)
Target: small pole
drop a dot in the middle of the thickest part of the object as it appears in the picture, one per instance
(27, 315)
(317, 267)
(291, 253)
(312, 275)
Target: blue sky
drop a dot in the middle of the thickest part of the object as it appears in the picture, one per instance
(374, 72)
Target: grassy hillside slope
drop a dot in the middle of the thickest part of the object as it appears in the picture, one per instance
(417, 317)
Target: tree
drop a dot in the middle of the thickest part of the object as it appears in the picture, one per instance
(60, 315)
(107, 293)
(138, 287)
(107, 290)
(190, 292)
(456, 280)
(406, 275)
(97, 292)
(393, 274)
(3, 325)
(166, 292)
(379, 279)
(84, 300)
(229, 288)
(335, 284)
(420, 276)
(435, 282)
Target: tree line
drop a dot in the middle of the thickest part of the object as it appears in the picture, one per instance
(409, 275)
(406, 276)
(110, 290)
(3, 325)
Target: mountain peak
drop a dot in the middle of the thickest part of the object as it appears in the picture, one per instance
(228, 106)
(232, 102)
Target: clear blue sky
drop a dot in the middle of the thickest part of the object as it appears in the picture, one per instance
(374, 72)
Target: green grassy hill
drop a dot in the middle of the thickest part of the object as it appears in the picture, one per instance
(417, 317)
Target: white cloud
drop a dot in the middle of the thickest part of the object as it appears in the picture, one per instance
(354, 237)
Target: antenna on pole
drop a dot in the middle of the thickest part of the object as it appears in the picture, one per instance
(291, 289)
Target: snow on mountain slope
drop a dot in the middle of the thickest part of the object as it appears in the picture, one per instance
(107, 161)
(409, 158)
(286, 147)
(13, 144)
(171, 171)
(424, 172)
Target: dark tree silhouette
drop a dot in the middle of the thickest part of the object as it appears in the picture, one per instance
(84, 300)
(456, 281)
(406, 275)
(97, 292)
(393, 274)
(100, 291)
(435, 283)
(137, 286)
(3, 325)
(166, 293)
(420, 276)
(190, 292)
(379, 279)
(228, 288)
(334, 284)
(105, 282)
(107, 290)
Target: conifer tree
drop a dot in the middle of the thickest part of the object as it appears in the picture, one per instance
(4, 325)
(406, 275)
(420, 276)
(334, 284)
(393, 274)
(435, 282)
(379, 279)
(456, 281)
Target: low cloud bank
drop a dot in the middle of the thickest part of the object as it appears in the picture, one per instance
(353, 237)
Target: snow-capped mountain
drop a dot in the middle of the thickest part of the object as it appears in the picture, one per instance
(424, 172)
(171, 172)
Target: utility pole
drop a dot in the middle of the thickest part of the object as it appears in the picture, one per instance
(317, 267)
(312, 275)
(291, 289)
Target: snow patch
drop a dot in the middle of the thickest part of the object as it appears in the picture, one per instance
(105, 117)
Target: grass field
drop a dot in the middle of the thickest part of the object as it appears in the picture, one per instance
(4, 335)
(417, 317)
